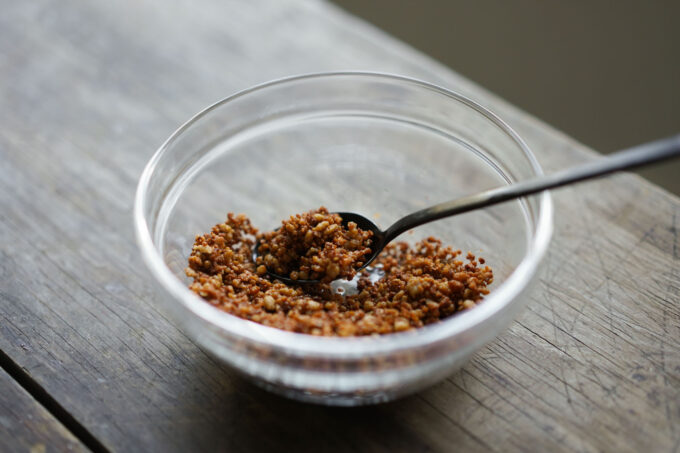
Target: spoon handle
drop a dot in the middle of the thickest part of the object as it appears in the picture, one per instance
(622, 160)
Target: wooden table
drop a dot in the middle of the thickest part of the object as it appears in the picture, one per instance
(90, 89)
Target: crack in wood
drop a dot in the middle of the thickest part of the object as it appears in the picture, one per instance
(43, 397)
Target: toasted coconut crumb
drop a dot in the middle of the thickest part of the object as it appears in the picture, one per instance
(422, 284)
(314, 246)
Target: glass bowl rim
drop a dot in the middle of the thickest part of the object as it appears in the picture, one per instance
(304, 345)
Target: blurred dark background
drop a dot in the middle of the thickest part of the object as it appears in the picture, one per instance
(605, 72)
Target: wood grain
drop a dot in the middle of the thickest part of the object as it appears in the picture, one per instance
(90, 89)
(26, 426)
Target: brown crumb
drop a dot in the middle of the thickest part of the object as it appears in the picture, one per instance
(422, 284)
(314, 246)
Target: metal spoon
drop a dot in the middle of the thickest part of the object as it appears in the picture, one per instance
(622, 160)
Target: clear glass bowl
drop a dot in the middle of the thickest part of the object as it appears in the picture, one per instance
(379, 145)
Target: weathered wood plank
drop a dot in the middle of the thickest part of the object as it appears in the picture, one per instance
(26, 426)
(91, 89)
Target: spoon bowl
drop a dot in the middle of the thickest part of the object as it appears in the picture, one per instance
(377, 244)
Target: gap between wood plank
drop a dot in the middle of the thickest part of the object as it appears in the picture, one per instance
(50, 404)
